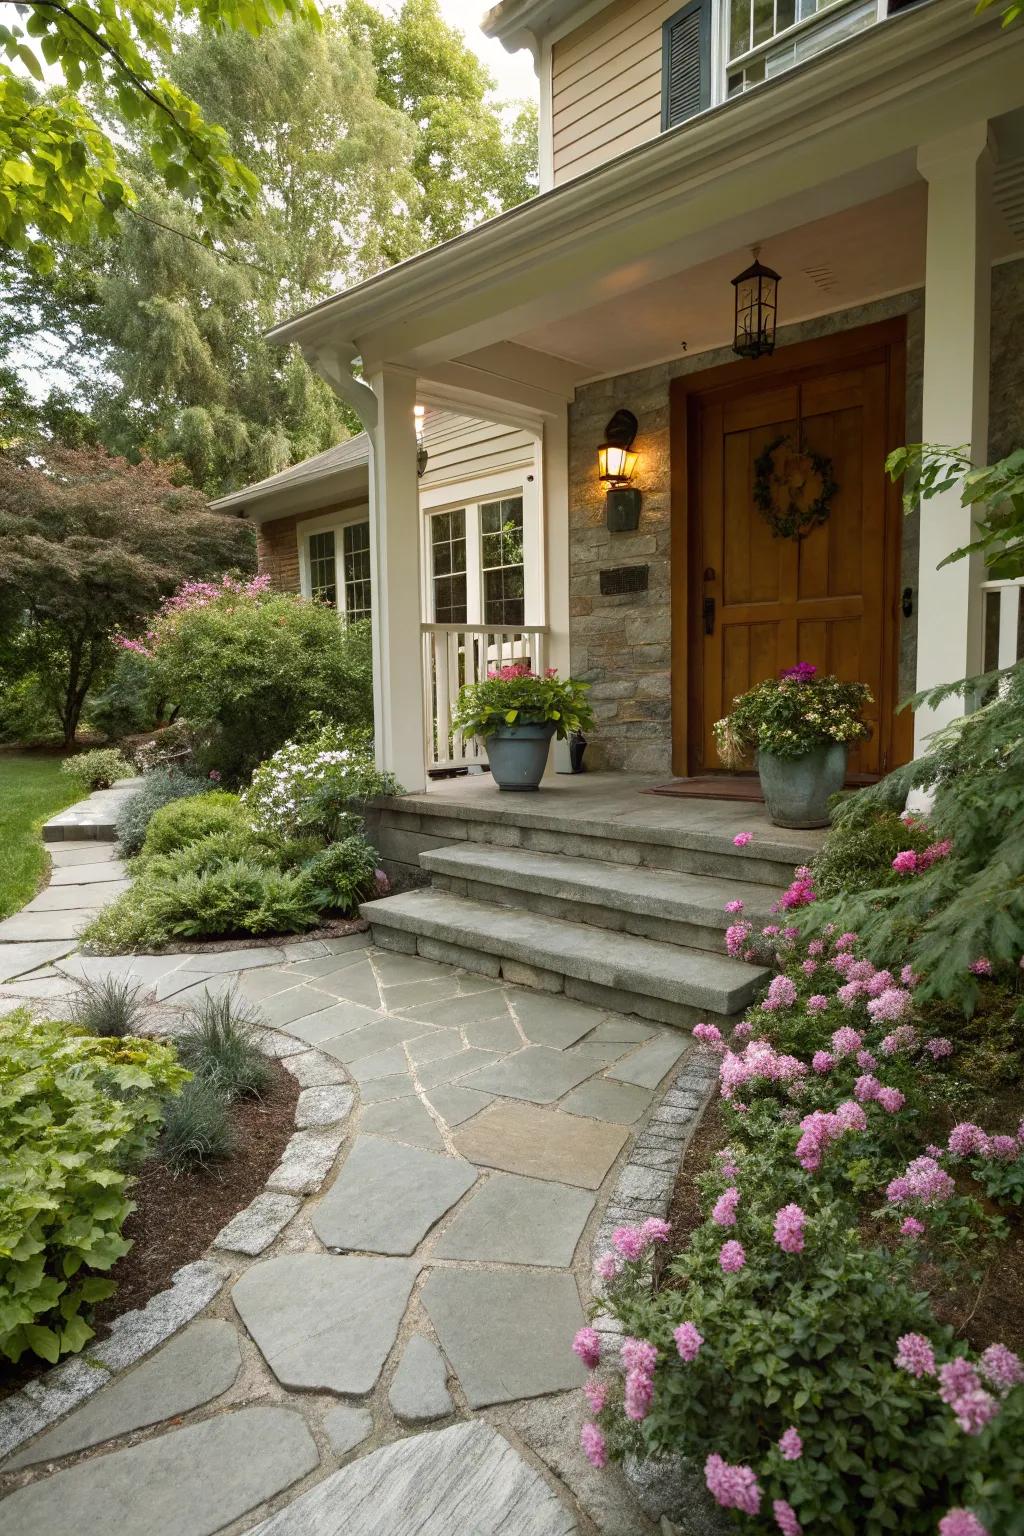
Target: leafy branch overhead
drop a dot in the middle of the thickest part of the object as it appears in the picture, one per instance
(996, 490)
(61, 176)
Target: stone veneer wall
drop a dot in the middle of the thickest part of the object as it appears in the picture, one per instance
(621, 643)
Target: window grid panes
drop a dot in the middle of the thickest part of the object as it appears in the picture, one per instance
(356, 553)
(753, 23)
(501, 550)
(448, 566)
(323, 572)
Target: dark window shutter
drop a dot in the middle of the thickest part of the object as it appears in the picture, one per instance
(686, 63)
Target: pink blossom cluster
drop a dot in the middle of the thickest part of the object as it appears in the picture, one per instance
(732, 1257)
(633, 1242)
(639, 1357)
(791, 1445)
(724, 1212)
(890, 1006)
(908, 862)
(743, 839)
(737, 937)
(596, 1394)
(981, 967)
(709, 1035)
(821, 1127)
(914, 1353)
(911, 1227)
(939, 1047)
(924, 1180)
(785, 1518)
(781, 994)
(960, 1387)
(904, 1038)
(789, 1228)
(822, 1062)
(846, 1040)
(960, 1522)
(689, 1342)
(758, 1060)
(593, 1445)
(587, 1346)
(799, 893)
(732, 1487)
(1001, 1368)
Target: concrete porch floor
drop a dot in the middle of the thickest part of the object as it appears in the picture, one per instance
(615, 805)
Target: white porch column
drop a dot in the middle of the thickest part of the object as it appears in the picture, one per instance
(395, 568)
(555, 506)
(958, 281)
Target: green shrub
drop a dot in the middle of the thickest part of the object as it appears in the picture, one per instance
(76, 1114)
(125, 704)
(220, 1047)
(192, 819)
(157, 788)
(196, 1129)
(858, 851)
(965, 907)
(98, 769)
(113, 1007)
(249, 667)
(313, 785)
(27, 714)
(343, 874)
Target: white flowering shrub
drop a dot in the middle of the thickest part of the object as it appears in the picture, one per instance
(312, 786)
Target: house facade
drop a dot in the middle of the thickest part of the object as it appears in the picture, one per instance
(873, 156)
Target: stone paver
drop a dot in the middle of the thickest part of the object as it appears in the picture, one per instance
(479, 1486)
(352, 983)
(77, 898)
(190, 1482)
(599, 1099)
(82, 872)
(465, 1010)
(556, 1021)
(42, 928)
(647, 1066)
(506, 1331)
(405, 1120)
(331, 1021)
(347, 1427)
(544, 1144)
(512, 1220)
(387, 1197)
(419, 1391)
(536, 1073)
(456, 1104)
(325, 1323)
(306, 1161)
(194, 1367)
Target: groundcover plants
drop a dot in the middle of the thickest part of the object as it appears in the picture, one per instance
(793, 1348)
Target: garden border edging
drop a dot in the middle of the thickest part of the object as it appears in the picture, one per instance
(324, 1105)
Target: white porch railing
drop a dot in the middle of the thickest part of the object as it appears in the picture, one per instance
(454, 654)
(1001, 616)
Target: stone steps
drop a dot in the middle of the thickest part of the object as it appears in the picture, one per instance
(94, 818)
(672, 908)
(619, 971)
(681, 840)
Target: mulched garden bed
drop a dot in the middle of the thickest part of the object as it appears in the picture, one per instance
(331, 928)
(176, 1219)
(981, 1314)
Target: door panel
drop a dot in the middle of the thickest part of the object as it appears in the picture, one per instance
(778, 601)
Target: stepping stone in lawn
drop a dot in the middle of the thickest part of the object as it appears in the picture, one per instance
(191, 1482)
(387, 1196)
(192, 1369)
(512, 1220)
(419, 1391)
(325, 1323)
(506, 1332)
(542, 1143)
(473, 1475)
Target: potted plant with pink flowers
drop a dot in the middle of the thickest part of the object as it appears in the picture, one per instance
(799, 727)
(516, 711)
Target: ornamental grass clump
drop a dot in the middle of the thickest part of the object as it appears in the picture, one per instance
(220, 1046)
(791, 1350)
(515, 695)
(791, 715)
(77, 1115)
(113, 1006)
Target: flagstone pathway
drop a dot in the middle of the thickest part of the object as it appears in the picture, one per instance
(437, 1278)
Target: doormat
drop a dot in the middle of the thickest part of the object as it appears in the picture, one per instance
(713, 787)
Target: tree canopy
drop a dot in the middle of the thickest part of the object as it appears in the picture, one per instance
(370, 137)
(88, 545)
(61, 173)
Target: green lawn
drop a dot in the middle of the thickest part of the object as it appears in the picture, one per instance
(32, 789)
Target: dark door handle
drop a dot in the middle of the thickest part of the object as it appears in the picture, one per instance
(908, 602)
(709, 615)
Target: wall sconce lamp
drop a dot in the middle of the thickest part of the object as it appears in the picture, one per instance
(419, 411)
(757, 291)
(616, 461)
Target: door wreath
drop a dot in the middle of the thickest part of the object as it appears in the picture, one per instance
(793, 488)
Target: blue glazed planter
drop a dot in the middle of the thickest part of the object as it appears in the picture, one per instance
(797, 789)
(518, 755)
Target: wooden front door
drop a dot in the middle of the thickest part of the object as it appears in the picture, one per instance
(758, 602)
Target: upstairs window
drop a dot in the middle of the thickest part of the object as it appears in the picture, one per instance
(767, 37)
(686, 63)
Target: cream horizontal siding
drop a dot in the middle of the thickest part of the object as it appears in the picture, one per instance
(461, 448)
(606, 85)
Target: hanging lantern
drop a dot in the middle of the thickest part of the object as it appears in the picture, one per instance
(756, 307)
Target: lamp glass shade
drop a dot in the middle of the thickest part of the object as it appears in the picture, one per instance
(616, 463)
(756, 311)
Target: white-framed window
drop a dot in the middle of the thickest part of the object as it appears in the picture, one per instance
(334, 562)
(481, 553)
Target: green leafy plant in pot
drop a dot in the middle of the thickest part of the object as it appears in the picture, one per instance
(515, 712)
(799, 726)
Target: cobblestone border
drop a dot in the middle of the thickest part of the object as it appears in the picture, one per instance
(325, 1102)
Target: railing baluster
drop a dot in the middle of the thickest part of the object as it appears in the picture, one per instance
(454, 654)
